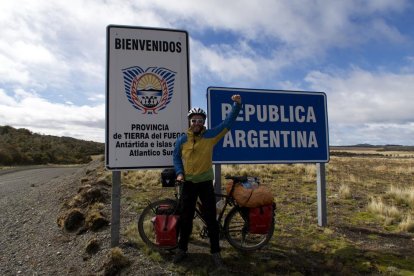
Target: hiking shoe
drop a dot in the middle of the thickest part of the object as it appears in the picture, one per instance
(179, 256)
(218, 261)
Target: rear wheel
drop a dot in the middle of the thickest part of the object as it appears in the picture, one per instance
(237, 233)
(146, 224)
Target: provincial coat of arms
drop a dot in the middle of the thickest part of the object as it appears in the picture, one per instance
(149, 90)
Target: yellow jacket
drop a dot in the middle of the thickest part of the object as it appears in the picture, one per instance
(193, 154)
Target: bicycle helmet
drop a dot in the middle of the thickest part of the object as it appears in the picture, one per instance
(196, 111)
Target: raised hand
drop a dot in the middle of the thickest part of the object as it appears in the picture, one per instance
(236, 98)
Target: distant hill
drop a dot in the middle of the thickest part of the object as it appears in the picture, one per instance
(375, 147)
(23, 147)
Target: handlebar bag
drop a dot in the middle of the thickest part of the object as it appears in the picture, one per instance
(168, 177)
(260, 219)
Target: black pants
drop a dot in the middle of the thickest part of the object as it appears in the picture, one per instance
(205, 191)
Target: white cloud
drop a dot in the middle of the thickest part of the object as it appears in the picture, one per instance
(298, 33)
(371, 133)
(225, 62)
(313, 24)
(388, 32)
(56, 45)
(51, 42)
(56, 51)
(366, 107)
(27, 110)
(5, 100)
(362, 96)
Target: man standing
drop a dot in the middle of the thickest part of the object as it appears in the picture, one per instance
(193, 155)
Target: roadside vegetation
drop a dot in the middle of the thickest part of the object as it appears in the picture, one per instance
(370, 216)
(23, 147)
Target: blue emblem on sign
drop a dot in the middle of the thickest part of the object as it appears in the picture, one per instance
(151, 90)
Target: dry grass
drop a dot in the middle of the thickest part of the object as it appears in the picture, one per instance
(131, 232)
(407, 224)
(404, 170)
(373, 183)
(391, 214)
(71, 220)
(380, 168)
(345, 191)
(95, 220)
(402, 195)
(93, 246)
(363, 192)
(115, 262)
(141, 178)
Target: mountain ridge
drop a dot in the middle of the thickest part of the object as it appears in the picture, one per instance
(24, 147)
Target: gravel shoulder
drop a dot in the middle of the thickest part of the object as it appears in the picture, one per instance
(31, 241)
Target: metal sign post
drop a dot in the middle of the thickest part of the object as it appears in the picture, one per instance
(321, 194)
(147, 100)
(116, 207)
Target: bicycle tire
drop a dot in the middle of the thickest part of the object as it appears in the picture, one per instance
(236, 231)
(146, 226)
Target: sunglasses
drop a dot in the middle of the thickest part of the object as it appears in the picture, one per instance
(198, 121)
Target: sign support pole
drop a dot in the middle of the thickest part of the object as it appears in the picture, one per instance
(321, 194)
(116, 207)
(217, 180)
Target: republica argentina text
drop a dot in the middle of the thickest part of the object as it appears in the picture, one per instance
(270, 139)
(272, 113)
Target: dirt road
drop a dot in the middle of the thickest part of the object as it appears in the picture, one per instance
(32, 243)
(29, 204)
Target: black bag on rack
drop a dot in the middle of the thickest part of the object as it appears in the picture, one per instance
(168, 177)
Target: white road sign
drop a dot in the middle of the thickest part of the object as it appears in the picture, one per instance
(147, 95)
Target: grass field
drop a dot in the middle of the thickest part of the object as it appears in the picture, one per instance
(370, 198)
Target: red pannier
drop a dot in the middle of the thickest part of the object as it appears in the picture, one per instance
(260, 219)
(166, 226)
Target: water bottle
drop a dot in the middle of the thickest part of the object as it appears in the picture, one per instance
(254, 182)
(219, 207)
(247, 184)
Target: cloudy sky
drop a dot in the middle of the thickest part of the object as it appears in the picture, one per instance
(359, 52)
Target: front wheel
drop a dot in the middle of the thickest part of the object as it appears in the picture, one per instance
(237, 233)
(146, 224)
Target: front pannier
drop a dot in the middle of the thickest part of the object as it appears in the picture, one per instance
(166, 226)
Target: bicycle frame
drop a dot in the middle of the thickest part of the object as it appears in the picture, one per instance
(229, 201)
